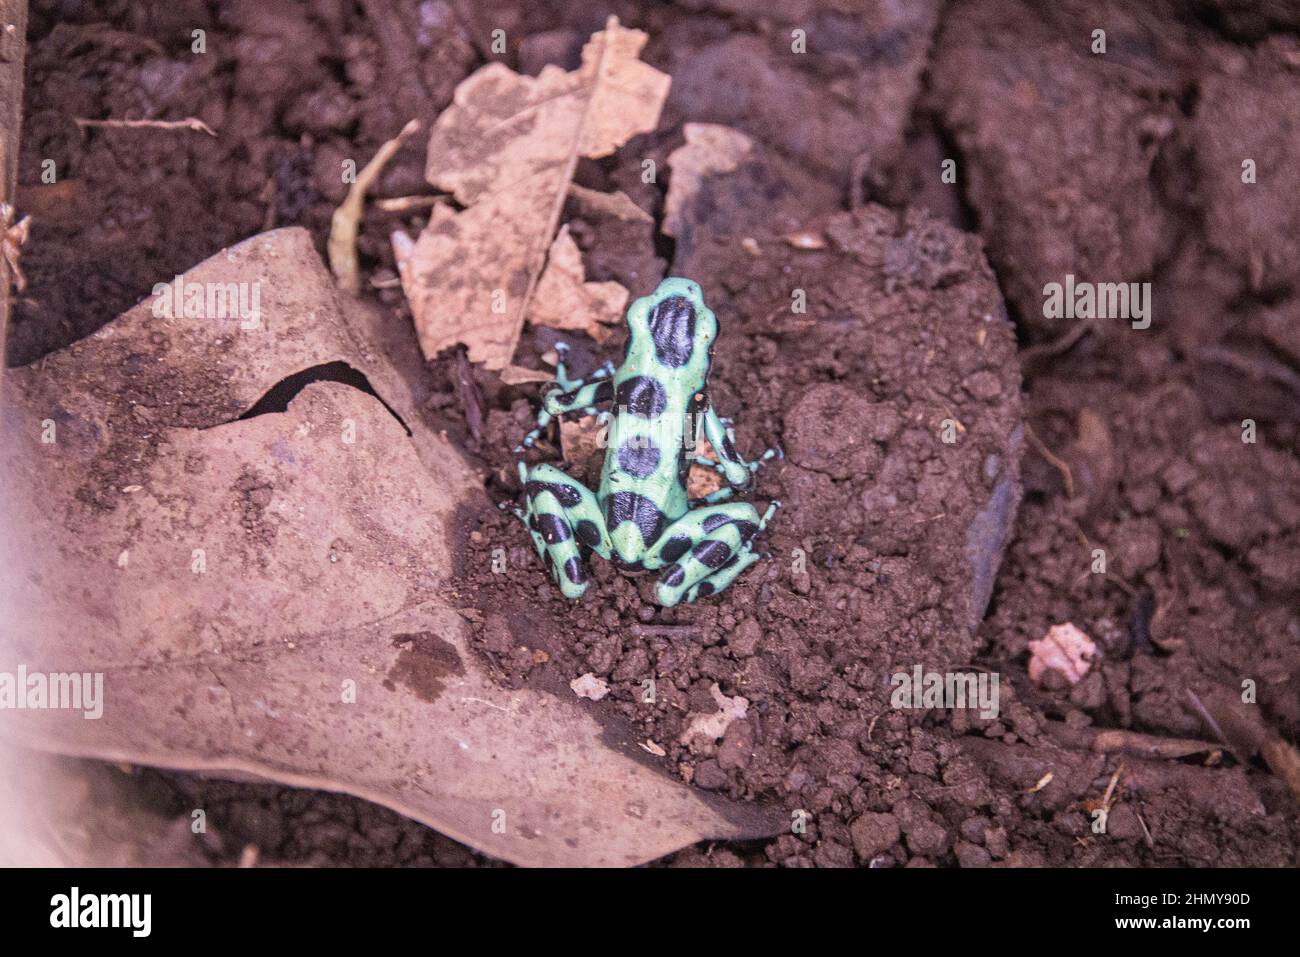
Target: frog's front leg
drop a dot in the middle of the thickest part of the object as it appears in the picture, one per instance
(735, 469)
(571, 395)
(706, 549)
(562, 516)
(561, 370)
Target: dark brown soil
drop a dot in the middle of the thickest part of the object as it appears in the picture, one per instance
(1117, 167)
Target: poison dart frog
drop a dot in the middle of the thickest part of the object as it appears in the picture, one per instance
(641, 518)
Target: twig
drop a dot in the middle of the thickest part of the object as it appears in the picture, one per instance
(189, 123)
(1247, 734)
(1109, 796)
(1053, 460)
(404, 204)
(1149, 746)
(1057, 346)
(1256, 367)
(104, 35)
(650, 631)
(1208, 718)
(342, 245)
(1146, 831)
(13, 50)
(13, 235)
(471, 400)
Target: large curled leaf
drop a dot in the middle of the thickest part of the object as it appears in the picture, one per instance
(268, 594)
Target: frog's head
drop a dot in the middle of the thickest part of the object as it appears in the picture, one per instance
(675, 323)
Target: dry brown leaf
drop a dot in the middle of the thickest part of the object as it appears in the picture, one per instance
(275, 600)
(580, 438)
(589, 686)
(702, 480)
(519, 375)
(709, 149)
(565, 300)
(710, 727)
(507, 148)
(617, 204)
(64, 812)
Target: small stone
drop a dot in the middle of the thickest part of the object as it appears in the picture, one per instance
(1137, 545)
(832, 855)
(710, 776)
(1122, 823)
(496, 635)
(971, 855)
(972, 830)
(589, 686)
(983, 385)
(873, 834)
(927, 838)
(737, 745)
(995, 840)
(744, 639)
(1178, 475)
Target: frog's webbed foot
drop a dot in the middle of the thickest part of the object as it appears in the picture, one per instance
(728, 472)
(605, 371)
(563, 518)
(706, 549)
(764, 458)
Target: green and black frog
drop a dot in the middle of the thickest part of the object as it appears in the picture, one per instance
(641, 517)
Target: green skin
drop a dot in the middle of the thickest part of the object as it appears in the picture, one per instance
(641, 517)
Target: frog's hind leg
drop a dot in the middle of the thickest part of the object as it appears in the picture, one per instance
(563, 518)
(705, 550)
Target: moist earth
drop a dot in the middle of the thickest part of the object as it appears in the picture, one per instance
(1122, 166)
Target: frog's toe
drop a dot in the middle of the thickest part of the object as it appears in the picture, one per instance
(666, 596)
(570, 576)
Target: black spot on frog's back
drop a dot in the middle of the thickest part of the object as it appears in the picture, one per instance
(672, 327)
(623, 507)
(642, 395)
(639, 456)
